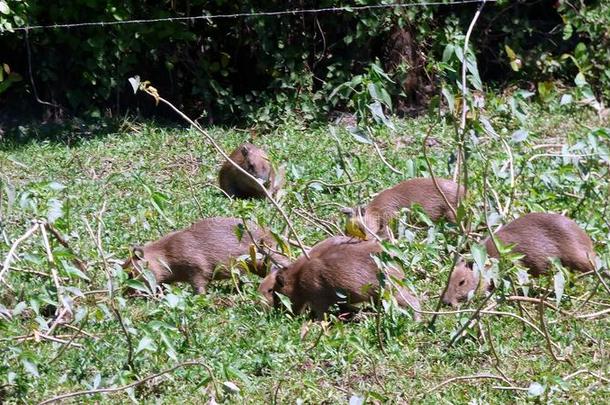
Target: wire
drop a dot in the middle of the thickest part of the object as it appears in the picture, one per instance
(254, 14)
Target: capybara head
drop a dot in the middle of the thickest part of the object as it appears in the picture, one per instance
(462, 284)
(256, 162)
(134, 265)
(270, 285)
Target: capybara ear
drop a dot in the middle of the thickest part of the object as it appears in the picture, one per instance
(245, 151)
(137, 252)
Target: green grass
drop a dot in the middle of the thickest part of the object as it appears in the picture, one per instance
(124, 173)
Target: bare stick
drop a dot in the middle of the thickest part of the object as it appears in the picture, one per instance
(78, 262)
(585, 371)
(117, 313)
(458, 334)
(467, 377)
(124, 387)
(433, 177)
(385, 162)
(461, 157)
(599, 276)
(153, 93)
(64, 347)
(547, 337)
(11, 252)
(518, 298)
(594, 315)
(51, 259)
(493, 351)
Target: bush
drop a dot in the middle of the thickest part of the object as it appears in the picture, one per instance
(261, 67)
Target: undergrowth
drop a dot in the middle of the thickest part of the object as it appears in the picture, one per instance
(106, 192)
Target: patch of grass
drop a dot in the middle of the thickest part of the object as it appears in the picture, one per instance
(149, 180)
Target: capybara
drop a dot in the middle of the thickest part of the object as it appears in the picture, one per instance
(339, 269)
(377, 214)
(256, 162)
(198, 254)
(539, 237)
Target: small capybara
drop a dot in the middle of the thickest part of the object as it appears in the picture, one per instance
(256, 162)
(339, 269)
(539, 237)
(198, 254)
(388, 203)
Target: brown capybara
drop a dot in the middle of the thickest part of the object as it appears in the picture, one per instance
(256, 162)
(378, 213)
(198, 254)
(539, 237)
(339, 269)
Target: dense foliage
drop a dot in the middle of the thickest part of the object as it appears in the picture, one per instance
(259, 67)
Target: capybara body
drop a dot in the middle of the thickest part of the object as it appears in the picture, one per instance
(256, 162)
(422, 191)
(338, 267)
(198, 254)
(538, 237)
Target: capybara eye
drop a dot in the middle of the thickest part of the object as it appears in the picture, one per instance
(462, 282)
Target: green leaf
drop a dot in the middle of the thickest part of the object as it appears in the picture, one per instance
(172, 300)
(138, 285)
(146, 343)
(73, 271)
(135, 83)
(511, 54)
(479, 254)
(230, 387)
(580, 80)
(567, 31)
(448, 52)
(535, 389)
(360, 136)
(30, 368)
(4, 9)
(519, 135)
(566, 99)
(559, 282)
(169, 347)
(54, 210)
(285, 301)
(356, 400)
(55, 186)
(449, 98)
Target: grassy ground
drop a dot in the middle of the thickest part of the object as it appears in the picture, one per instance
(137, 183)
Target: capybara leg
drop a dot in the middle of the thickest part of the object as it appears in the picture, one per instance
(199, 284)
(319, 308)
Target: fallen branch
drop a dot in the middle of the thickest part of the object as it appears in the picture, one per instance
(11, 252)
(62, 241)
(125, 387)
(467, 377)
(594, 314)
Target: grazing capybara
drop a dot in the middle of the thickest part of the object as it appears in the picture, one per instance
(377, 214)
(539, 237)
(198, 254)
(256, 162)
(340, 270)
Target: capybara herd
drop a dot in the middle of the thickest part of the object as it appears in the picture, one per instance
(341, 270)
